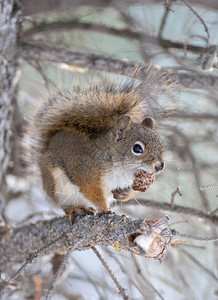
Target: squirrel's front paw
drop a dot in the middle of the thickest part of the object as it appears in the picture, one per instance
(73, 212)
(121, 194)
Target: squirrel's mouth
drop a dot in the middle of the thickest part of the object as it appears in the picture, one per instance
(148, 170)
(153, 169)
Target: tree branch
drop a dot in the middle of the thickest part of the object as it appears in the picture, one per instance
(125, 33)
(146, 238)
(88, 61)
(207, 217)
(194, 116)
(33, 7)
(9, 13)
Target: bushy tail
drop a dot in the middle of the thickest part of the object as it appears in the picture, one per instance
(92, 111)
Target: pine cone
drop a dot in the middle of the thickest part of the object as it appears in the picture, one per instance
(142, 181)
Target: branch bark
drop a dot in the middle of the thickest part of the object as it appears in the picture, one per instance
(146, 238)
(9, 13)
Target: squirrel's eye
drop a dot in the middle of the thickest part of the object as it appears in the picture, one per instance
(138, 148)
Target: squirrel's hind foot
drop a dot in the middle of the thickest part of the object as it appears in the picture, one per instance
(74, 212)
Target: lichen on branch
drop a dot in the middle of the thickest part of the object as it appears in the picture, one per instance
(145, 238)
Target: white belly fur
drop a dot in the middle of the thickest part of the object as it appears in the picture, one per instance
(118, 178)
(68, 194)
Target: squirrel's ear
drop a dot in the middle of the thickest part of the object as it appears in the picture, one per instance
(148, 122)
(122, 125)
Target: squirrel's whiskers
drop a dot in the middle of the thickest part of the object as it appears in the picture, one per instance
(98, 144)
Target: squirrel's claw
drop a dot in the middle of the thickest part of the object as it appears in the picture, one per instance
(74, 212)
(120, 194)
(108, 212)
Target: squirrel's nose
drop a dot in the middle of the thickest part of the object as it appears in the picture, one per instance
(159, 166)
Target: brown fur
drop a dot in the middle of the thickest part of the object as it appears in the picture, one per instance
(76, 131)
(92, 111)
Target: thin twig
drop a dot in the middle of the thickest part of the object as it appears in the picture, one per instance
(195, 238)
(194, 116)
(60, 271)
(3, 219)
(207, 217)
(196, 172)
(168, 5)
(212, 213)
(199, 264)
(143, 38)
(125, 33)
(147, 282)
(95, 284)
(185, 244)
(121, 290)
(48, 82)
(177, 191)
(186, 284)
(29, 260)
(200, 18)
(164, 18)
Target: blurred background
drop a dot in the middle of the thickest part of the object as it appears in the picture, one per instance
(174, 36)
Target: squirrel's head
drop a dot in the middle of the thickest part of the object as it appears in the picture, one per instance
(138, 145)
